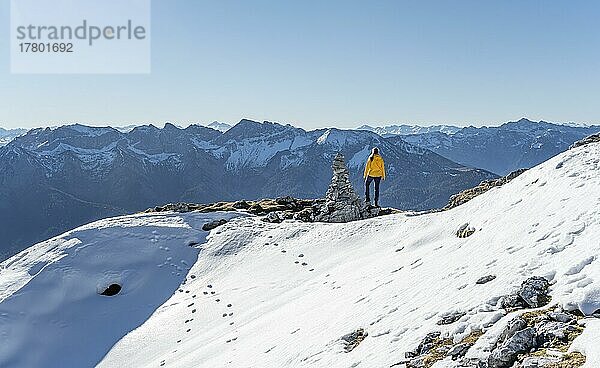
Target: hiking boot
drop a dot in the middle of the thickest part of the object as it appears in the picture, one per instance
(368, 201)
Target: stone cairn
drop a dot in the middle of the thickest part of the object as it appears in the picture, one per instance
(341, 203)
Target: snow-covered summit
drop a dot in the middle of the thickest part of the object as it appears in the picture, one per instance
(405, 129)
(253, 294)
(222, 127)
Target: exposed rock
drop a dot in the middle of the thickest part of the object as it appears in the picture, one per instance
(505, 355)
(594, 138)
(418, 362)
(286, 207)
(256, 209)
(512, 302)
(537, 362)
(241, 205)
(514, 326)
(554, 332)
(174, 207)
(562, 317)
(458, 350)
(451, 318)
(289, 202)
(428, 342)
(466, 195)
(342, 204)
(464, 231)
(274, 217)
(112, 290)
(306, 215)
(485, 279)
(532, 294)
(534, 291)
(213, 224)
(431, 349)
(352, 339)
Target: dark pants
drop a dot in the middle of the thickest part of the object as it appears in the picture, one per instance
(368, 188)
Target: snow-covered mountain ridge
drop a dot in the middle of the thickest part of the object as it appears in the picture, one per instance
(255, 294)
(505, 148)
(405, 129)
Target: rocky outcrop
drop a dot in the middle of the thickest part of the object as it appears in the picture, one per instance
(213, 224)
(354, 338)
(342, 204)
(532, 339)
(532, 294)
(524, 339)
(594, 138)
(485, 279)
(287, 205)
(450, 318)
(466, 195)
(434, 348)
(464, 231)
(534, 291)
(524, 343)
(506, 354)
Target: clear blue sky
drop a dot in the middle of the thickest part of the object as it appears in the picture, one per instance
(335, 63)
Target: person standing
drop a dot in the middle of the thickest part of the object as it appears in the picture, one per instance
(374, 172)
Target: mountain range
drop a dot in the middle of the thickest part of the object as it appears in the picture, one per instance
(55, 179)
(502, 149)
(405, 129)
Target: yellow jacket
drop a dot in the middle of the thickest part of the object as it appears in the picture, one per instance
(375, 167)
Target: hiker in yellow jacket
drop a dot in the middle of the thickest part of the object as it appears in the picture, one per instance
(374, 171)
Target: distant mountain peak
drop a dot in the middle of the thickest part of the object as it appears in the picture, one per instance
(222, 127)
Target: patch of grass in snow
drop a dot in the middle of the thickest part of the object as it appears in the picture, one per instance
(472, 338)
(569, 360)
(438, 351)
(532, 317)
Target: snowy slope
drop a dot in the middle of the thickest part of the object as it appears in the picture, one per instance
(8, 135)
(246, 303)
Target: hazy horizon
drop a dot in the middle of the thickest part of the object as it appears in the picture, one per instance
(324, 126)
